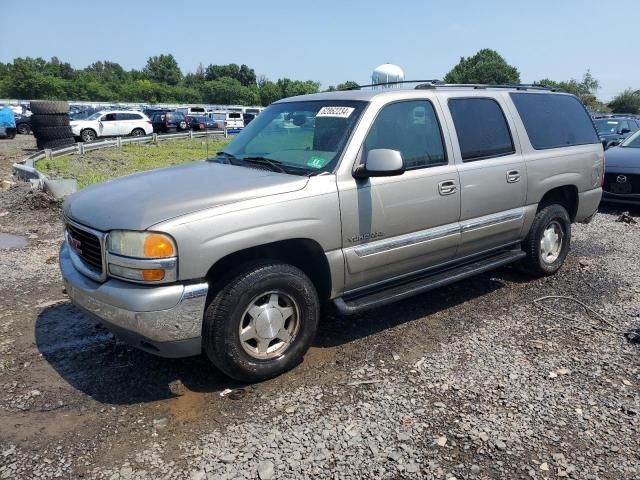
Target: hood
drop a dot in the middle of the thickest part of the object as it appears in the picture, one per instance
(138, 201)
(622, 157)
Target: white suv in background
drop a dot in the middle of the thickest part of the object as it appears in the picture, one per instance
(112, 124)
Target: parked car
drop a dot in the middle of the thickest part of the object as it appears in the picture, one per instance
(392, 193)
(7, 122)
(23, 124)
(166, 122)
(203, 123)
(613, 130)
(247, 117)
(232, 120)
(111, 124)
(622, 172)
(192, 111)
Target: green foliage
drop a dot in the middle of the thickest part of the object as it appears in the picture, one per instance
(584, 89)
(626, 102)
(161, 81)
(163, 69)
(486, 66)
(347, 84)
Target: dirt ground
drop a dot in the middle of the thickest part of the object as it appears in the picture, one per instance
(469, 381)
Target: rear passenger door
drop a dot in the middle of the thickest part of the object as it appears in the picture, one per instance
(491, 169)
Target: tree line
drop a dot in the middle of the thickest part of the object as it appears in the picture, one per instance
(162, 81)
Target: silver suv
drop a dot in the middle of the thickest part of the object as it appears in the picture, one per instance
(358, 198)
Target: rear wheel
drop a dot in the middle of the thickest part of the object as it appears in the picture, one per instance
(23, 128)
(137, 132)
(88, 135)
(182, 125)
(261, 323)
(548, 241)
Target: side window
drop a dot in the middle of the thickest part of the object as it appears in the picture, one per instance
(481, 127)
(555, 120)
(109, 117)
(624, 125)
(123, 116)
(412, 128)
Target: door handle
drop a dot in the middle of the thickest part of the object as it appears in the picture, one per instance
(447, 187)
(513, 176)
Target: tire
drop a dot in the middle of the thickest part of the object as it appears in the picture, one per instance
(53, 133)
(182, 125)
(47, 107)
(227, 313)
(11, 133)
(38, 121)
(542, 260)
(88, 135)
(55, 143)
(138, 132)
(23, 129)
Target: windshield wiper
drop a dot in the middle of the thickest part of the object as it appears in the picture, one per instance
(226, 156)
(274, 164)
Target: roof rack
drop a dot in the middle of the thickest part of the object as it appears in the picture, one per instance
(435, 83)
(483, 86)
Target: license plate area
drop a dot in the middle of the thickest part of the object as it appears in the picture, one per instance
(621, 188)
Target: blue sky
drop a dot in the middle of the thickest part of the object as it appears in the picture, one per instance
(333, 41)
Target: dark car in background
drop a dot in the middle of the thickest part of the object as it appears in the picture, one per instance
(23, 124)
(614, 129)
(167, 122)
(622, 172)
(248, 117)
(204, 123)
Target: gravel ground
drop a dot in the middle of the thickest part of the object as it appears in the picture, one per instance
(471, 381)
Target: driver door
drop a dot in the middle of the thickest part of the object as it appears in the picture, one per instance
(393, 226)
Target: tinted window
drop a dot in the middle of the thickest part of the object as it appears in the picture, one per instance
(553, 120)
(412, 128)
(110, 117)
(234, 115)
(481, 127)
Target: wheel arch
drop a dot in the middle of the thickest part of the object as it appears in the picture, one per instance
(565, 195)
(303, 253)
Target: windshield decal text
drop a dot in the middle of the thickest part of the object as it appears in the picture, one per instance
(339, 112)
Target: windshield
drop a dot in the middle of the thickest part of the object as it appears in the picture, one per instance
(95, 116)
(633, 141)
(607, 126)
(305, 136)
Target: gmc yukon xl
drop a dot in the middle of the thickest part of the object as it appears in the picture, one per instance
(359, 198)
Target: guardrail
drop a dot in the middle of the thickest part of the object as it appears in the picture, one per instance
(26, 169)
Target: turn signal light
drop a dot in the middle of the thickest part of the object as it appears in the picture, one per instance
(153, 275)
(157, 246)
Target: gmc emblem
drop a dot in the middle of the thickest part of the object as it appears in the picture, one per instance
(75, 245)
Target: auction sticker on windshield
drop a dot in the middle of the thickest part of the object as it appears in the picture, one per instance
(339, 112)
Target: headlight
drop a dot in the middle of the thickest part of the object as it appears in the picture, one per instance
(141, 244)
(142, 256)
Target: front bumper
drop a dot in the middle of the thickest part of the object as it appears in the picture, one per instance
(165, 320)
(629, 199)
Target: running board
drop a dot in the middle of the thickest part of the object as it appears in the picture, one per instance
(352, 304)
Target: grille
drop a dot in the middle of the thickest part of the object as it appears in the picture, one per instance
(611, 184)
(89, 249)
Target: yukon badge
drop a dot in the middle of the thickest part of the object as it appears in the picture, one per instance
(365, 236)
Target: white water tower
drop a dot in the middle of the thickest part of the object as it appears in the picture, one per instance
(387, 73)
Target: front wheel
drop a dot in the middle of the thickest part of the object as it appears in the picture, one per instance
(261, 323)
(548, 241)
(88, 135)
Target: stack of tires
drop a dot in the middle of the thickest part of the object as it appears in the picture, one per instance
(50, 124)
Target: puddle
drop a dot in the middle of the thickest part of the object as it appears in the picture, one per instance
(8, 241)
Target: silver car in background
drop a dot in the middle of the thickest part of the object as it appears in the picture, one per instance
(358, 198)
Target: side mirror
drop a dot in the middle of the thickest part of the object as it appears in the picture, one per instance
(381, 162)
(624, 131)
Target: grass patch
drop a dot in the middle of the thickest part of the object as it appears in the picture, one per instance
(100, 165)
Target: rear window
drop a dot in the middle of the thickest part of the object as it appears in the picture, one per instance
(481, 127)
(235, 115)
(554, 121)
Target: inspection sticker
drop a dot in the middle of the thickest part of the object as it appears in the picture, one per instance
(316, 162)
(339, 112)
